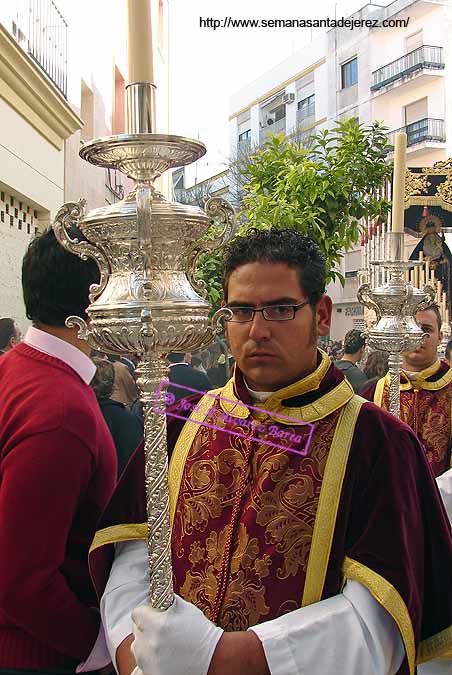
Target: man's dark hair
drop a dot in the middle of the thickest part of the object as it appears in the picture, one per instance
(279, 246)
(7, 331)
(196, 361)
(353, 341)
(55, 282)
(176, 357)
(435, 309)
(104, 379)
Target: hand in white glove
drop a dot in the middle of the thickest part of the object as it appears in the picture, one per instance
(180, 640)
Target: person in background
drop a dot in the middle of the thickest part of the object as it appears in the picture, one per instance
(10, 335)
(129, 361)
(448, 351)
(218, 374)
(125, 427)
(124, 388)
(180, 372)
(425, 395)
(354, 344)
(376, 366)
(57, 471)
(196, 364)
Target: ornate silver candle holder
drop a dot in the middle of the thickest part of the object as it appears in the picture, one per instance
(445, 330)
(395, 304)
(147, 301)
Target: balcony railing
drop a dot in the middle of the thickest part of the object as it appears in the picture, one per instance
(244, 145)
(427, 129)
(422, 57)
(47, 41)
(279, 127)
(306, 117)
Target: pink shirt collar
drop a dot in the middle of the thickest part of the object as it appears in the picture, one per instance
(60, 349)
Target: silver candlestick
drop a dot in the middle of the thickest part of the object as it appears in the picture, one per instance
(147, 301)
(395, 304)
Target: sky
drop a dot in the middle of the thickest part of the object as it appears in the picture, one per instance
(207, 65)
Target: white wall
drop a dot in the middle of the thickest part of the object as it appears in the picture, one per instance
(29, 164)
(283, 71)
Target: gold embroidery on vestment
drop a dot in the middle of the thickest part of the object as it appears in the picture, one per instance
(389, 598)
(330, 494)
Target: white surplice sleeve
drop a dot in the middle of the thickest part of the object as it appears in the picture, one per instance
(349, 633)
(127, 587)
(441, 666)
(444, 483)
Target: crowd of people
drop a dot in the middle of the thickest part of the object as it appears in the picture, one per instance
(321, 558)
(360, 366)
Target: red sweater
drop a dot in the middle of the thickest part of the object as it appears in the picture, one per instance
(57, 472)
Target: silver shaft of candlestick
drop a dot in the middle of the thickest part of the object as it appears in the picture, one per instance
(152, 381)
(395, 304)
(140, 108)
(395, 368)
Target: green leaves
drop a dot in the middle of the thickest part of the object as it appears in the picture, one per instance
(326, 191)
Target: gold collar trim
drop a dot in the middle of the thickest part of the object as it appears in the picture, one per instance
(421, 380)
(317, 410)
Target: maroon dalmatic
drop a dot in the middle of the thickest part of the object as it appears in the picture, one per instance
(259, 531)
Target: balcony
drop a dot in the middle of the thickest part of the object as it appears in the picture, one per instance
(278, 127)
(243, 145)
(425, 130)
(47, 41)
(306, 116)
(422, 58)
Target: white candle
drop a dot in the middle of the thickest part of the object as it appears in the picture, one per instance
(139, 41)
(398, 184)
(427, 270)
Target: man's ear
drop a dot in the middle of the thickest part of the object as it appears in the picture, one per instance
(323, 315)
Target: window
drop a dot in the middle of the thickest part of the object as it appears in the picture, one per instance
(244, 135)
(306, 107)
(416, 111)
(349, 73)
(414, 41)
(279, 113)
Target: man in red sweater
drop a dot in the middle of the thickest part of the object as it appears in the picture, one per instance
(57, 472)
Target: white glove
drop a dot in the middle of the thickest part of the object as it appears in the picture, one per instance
(180, 640)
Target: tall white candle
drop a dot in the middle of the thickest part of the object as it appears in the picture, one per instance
(398, 183)
(139, 41)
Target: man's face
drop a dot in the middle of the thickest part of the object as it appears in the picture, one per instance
(273, 354)
(427, 354)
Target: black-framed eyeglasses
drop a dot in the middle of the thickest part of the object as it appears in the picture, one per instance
(270, 312)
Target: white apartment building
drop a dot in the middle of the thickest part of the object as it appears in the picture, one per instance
(400, 76)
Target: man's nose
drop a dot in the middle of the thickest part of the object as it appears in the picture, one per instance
(260, 328)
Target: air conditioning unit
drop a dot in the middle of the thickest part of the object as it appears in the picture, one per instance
(270, 119)
(288, 98)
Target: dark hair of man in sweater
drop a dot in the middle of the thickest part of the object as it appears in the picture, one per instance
(55, 282)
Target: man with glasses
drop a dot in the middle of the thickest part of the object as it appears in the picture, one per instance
(307, 530)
